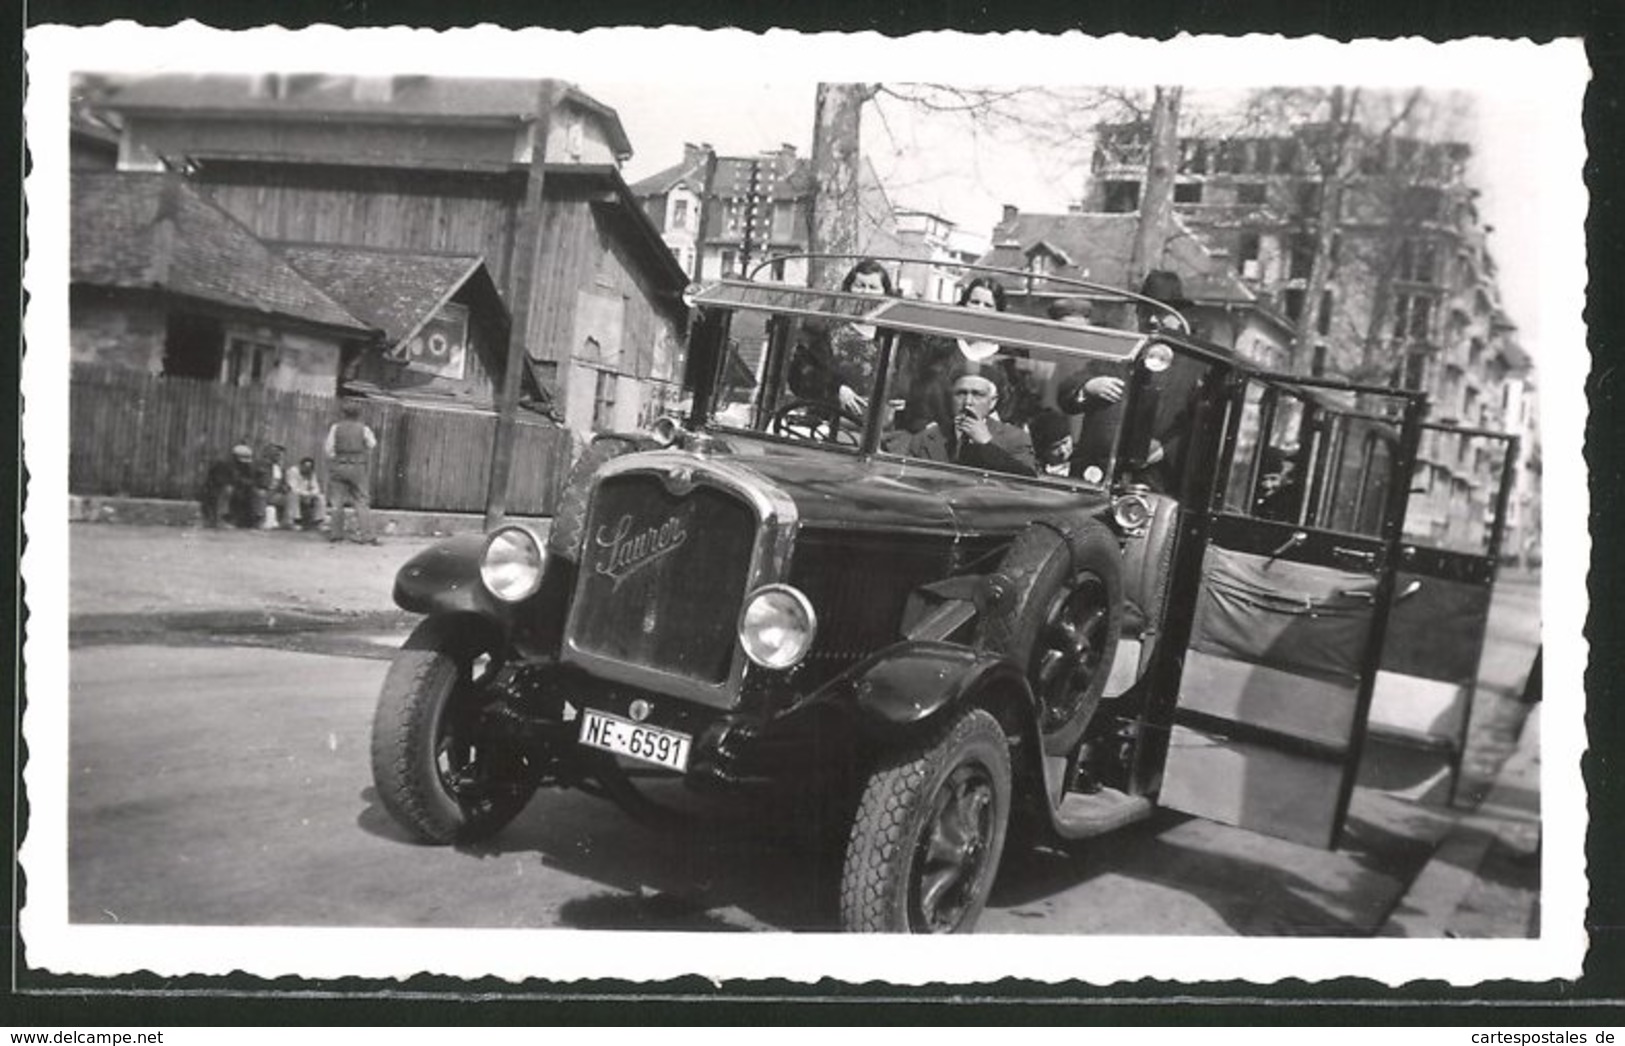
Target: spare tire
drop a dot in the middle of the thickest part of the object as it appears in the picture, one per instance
(1056, 610)
(564, 539)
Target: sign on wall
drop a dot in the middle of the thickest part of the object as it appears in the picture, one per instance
(440, 347)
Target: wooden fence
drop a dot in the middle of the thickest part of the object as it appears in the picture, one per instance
(140, 435)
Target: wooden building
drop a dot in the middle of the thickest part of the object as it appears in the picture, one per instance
(164, 282)
(390, 172)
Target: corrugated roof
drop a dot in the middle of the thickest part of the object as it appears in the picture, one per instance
(1100, 245)
(394, 291)
(152, 230)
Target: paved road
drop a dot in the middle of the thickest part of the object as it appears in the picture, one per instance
(230, 785)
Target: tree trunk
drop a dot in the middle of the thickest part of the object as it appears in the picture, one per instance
(1157, 196)
(835, 158)
(1335, 170)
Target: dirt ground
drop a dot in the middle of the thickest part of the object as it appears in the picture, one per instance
(132, 569)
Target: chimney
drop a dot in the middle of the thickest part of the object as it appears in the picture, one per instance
(694, 154)
(1010, 212)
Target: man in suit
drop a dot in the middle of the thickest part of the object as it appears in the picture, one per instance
(978, 438)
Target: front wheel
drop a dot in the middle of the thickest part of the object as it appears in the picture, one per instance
(930, 827)
(439, 768)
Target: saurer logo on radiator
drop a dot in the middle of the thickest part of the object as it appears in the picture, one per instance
(623, 549)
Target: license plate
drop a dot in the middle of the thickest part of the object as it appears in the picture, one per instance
(665, 748)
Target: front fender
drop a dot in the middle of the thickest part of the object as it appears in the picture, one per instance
(912, 682)
(445, 579)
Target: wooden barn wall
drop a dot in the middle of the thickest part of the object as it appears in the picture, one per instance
(401, 210)
(138, 435)
(581, 251)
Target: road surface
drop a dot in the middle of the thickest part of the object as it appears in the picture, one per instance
(218, 784)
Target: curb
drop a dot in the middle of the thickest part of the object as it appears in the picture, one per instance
(1448, 897)
(272, 621)
(165, 512)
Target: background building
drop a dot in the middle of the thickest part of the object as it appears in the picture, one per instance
(1411, 296)
(339, 171)
(724, 215)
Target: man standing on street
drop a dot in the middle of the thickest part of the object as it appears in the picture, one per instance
(349, 448)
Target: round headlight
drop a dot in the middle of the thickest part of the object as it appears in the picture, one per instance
(511, 566)
(777, 625)
(1158, 357)
(1132, 512)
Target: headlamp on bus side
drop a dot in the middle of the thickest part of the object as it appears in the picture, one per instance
(511, 565)
(776, 627)
(1131, 511)
(1157, 357)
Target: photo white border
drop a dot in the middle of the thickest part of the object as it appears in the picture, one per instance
(1552, 76)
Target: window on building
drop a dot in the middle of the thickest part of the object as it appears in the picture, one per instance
(603, 400)
(679, 213)
(1247, 256)
(1188, 192)
(1317, 364)
(1286, 156)
(1418, 261)
(247, 362)
(1413, 315)
(1416, 370)
(193, 346)
(1422, 203)
(1193, 156)
(1263, 156)
(1292, 303)
(1323, 322)
(1250, 194)
(1122, 197)
(728, 267)
(777, 269)
(1308, 194)
(1475, 352)
(1301, 256)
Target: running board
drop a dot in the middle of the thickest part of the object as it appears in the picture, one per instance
(1083, 815)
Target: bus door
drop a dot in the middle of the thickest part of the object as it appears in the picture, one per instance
(1454, 527)
(1288, 616)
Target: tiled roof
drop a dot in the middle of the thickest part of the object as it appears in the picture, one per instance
(152, 230)
(394, 291)
(1100, 245)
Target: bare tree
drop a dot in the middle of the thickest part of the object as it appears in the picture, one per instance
(1157, 194)
(836, 159)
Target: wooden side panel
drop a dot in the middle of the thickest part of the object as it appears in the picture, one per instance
(1250, 786)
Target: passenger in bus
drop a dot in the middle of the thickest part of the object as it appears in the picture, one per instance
(928, 366)
(1280, 487)
(833, 364)
(1051, 433)
(977, 437)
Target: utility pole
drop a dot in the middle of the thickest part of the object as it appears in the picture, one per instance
(1157, 195)
(527, 244)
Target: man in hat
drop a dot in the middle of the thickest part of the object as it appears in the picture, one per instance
(349, 447)
(228, 490)
(977, 438)
(1052, 442)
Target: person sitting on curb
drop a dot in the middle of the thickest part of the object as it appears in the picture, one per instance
(307, 506)
(228, 491)
(271, 489)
